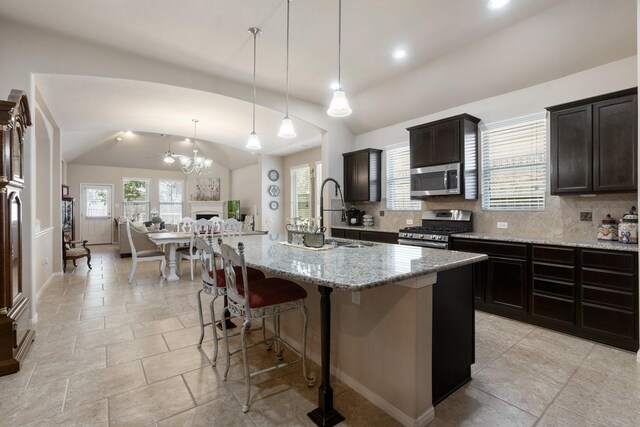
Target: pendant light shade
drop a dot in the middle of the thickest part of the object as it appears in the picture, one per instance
(253, 143)
(286, 128)
(339, 106)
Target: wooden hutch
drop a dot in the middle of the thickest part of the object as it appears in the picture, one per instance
(15, 309)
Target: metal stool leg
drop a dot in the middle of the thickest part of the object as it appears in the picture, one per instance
(245, 357)
(201, 317)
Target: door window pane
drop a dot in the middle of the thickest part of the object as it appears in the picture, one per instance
(97, 204)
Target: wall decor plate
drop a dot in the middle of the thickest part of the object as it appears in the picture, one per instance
(273, 190)
(274, 175)
(274, 205)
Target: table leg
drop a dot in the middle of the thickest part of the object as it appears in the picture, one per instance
(325, 415)
(226, 317)
(172, 276)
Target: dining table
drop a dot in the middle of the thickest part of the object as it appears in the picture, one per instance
(175, 239)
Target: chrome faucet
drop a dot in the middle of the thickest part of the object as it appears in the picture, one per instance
(323, 210)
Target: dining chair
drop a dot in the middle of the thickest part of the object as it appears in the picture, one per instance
(144, 256)
(260, 299)
(185, 224)
(203, 228)
(232, 227)
(213, 283)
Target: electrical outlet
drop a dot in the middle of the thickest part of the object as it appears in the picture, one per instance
(45, 261)
(586, 216)
(502, 225)
(381, 213)
(409, 222)
(355, 298)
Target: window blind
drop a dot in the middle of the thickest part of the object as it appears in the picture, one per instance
(399, 179)
(171, 195)
(300, 192)
(318, 178)
(514, 164)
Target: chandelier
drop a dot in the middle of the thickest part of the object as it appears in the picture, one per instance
(196, 163)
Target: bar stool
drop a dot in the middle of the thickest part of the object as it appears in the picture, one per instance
(213, 283)
(260, 299)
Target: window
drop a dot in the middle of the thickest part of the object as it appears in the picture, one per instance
(97, 205)
(171, 196)
(399, 179)
(514, 164)
(318, 182)
(136, 199)
(301, 191)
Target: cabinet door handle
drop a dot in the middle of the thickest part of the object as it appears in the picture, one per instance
(446, 180)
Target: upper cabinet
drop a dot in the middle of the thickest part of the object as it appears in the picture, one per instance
(442, 142)
(362, 175)
(594, 144)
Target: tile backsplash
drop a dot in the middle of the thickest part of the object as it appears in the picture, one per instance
(561, 217)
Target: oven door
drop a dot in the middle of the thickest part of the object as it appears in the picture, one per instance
(423, 243)
(438, 180)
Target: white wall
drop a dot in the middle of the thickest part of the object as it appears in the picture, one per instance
(245, 187)
(606, 78)
(308, 157)
(217, 171)
(83, 174)
(274, 217)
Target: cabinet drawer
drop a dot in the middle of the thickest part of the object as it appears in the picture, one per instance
(510, 250)
(554, 308)
(567, 290)
(609, 320)
(553, 254)
(352, 234)
(608, 260)
(608, 279)
(552, 271)
(607, 297)
(379, 236)
(337, 232)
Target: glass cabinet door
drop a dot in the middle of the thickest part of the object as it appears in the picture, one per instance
(15, 244)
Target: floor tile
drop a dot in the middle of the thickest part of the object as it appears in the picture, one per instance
(94, 414)
(556, 345)
(69, 329)
(135, 349)
(225, 411)
(187, 336)
(556, 416)
(469, 406)
(166, 365)
(102, 383)
(156, 327)
(536, 365)
(149, 404)
(33, 403)
(206, 384)
(62, 367)
(104, 337)
(114, 320)
(527, 393)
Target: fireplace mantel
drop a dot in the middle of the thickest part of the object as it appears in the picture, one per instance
(213, 208)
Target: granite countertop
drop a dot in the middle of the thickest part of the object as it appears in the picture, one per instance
(349, 268)
(558, 241)
(362, 227)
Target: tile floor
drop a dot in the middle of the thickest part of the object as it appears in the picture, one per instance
(110, 353)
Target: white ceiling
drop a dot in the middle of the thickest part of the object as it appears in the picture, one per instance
(459, 50)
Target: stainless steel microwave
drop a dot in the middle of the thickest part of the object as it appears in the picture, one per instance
(440, 180)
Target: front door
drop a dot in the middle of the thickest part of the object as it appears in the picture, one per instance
(95, 217)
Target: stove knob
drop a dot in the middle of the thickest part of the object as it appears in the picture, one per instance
(422, 236)
(409, 235)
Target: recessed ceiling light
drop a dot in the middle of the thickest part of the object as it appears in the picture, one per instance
(118, 139)
(497, 4)
(399, 54)
(187, 140)
(335, 86)
(128, 133)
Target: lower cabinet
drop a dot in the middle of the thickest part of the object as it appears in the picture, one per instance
(367, 235)
(589, 293)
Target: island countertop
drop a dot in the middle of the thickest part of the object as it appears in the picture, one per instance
(352, 269)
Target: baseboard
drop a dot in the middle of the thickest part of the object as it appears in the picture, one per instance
(373, 397)
(45, 285)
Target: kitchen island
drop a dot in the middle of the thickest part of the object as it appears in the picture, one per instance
(380, 337)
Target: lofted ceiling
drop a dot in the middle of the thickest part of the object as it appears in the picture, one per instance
(459, 51)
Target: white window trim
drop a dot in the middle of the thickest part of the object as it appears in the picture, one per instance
(503, 123)
(388, 148)
(181, 203)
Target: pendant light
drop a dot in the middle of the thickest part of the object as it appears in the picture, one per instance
(286, 128)
(339, 106)
(253, 143)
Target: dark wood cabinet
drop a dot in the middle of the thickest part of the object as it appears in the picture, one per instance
(593, 144)
(362, 175)
(443, 141)
(589, 293)
(15, 313)
(367, 235)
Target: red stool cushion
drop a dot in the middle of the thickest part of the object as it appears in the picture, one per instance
(252, 274)
(272, 291)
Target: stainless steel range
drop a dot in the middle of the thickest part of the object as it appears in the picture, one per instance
(437, 226)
